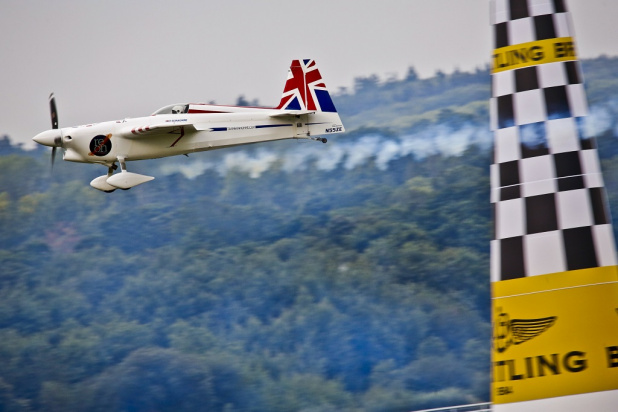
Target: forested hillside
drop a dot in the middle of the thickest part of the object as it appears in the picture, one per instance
(291, 276)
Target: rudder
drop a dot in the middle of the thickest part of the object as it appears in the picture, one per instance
(304, 89)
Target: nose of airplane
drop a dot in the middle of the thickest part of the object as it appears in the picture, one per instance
(51, 138)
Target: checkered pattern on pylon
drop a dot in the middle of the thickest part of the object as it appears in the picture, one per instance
(522, 21)
(550, 207)
(536, 94)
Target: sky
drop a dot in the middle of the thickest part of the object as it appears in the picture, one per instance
(108, 60)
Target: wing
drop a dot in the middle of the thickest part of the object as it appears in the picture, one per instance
(161, 128)
(526, 329)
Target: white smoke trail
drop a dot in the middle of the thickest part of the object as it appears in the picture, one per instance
(348, 153)
(351, 152)
(190, 170)
(252, 164)
(599, 119)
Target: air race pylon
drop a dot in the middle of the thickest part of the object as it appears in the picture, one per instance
(553, 256)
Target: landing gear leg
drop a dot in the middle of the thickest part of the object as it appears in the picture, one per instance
(110, 170)
(123, 164)
(123, 168)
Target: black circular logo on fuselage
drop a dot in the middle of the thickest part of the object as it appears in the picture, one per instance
(101, 145)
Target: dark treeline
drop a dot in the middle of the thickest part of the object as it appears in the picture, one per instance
(357, 287)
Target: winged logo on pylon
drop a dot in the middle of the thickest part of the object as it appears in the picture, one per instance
(509, 331)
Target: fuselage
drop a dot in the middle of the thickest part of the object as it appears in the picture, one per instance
(163, 135)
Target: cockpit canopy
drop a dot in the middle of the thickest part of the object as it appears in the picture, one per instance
(178, 108)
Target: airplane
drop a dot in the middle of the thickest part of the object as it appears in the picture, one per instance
(306, 111)
(554, 269)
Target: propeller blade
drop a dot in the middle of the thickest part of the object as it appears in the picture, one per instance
(54, 112)
(54, 120)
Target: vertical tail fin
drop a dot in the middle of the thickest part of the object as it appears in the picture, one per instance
(553, 258)
(305, 89)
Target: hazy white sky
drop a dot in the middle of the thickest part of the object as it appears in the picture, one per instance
(112, 59)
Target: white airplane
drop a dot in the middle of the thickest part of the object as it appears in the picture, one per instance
(305, 111)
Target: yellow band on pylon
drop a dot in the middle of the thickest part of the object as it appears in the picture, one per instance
(555, 335)
(533, 53)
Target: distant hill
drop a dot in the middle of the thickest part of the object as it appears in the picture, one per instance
(402, 105)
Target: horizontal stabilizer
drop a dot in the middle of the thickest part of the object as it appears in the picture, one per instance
(292, 113)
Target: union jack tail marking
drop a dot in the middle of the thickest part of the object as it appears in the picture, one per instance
(305, 89)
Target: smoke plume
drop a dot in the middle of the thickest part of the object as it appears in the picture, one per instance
(345, 151)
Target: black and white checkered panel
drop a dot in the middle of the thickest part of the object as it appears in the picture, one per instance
(550, 207)
(522, 21)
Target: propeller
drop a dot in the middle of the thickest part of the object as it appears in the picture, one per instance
(53, 110)
(54, 121)
(53, 137)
